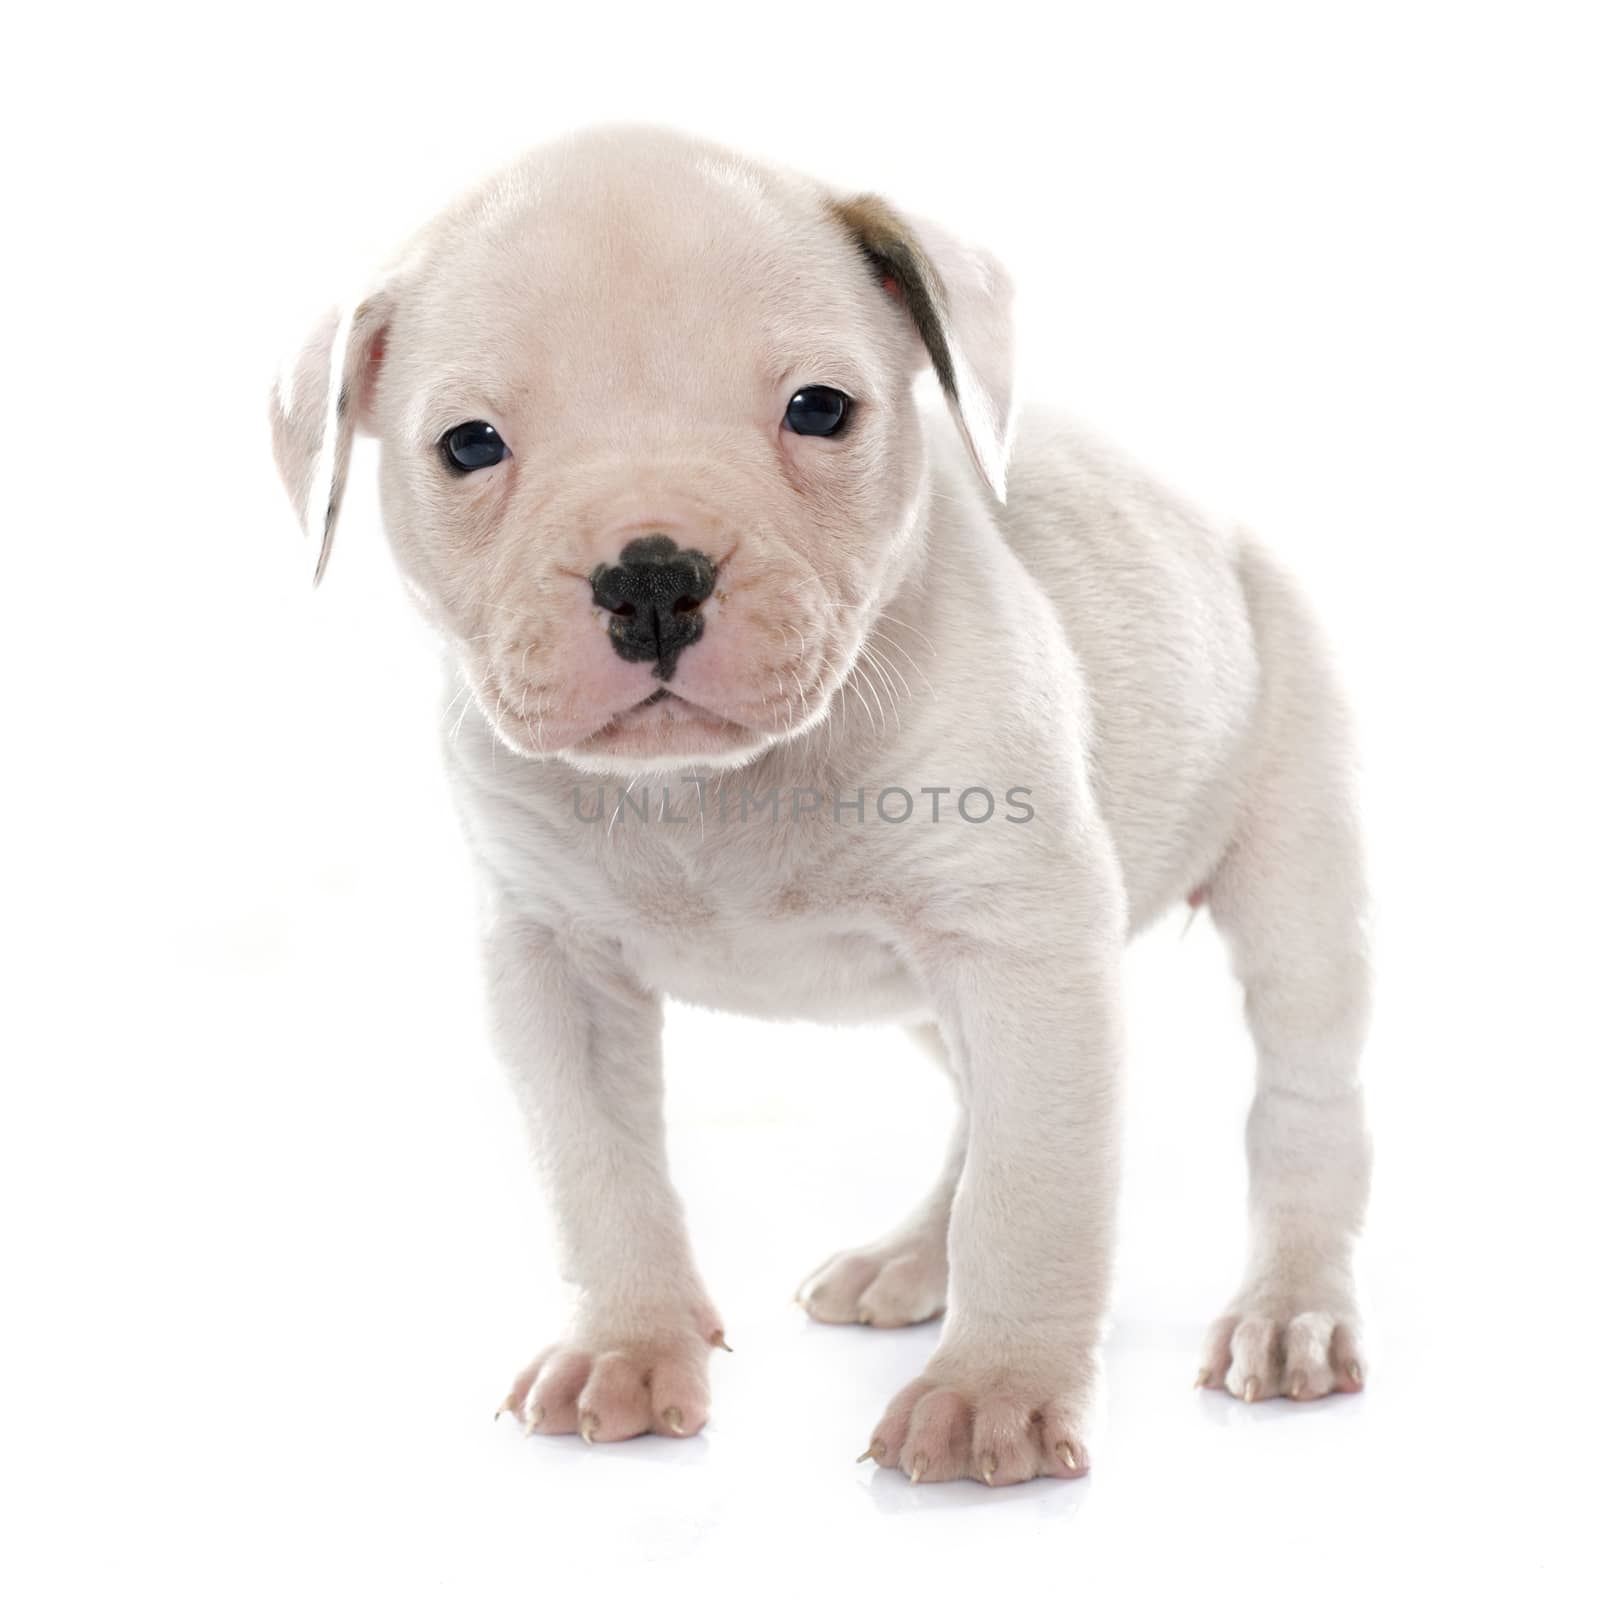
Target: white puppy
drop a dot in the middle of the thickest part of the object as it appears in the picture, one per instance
(905, 742)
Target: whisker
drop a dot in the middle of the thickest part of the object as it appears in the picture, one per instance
(909, 627)
(905, 655)
(851, 683)
(466, 706)
(885, 666)
(870, 661)
(878, 666)
(883, 716)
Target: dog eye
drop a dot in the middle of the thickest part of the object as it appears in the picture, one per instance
(817, 411)
(469, 446)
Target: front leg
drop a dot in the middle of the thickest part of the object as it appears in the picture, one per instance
(583, 1045)
(1037, 1029)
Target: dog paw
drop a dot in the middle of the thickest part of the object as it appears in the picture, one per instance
(995, 1424)
(884, 1286)
(1256, 1353)
(606, 1389)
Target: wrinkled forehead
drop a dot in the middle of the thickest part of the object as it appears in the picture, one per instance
(637, 286)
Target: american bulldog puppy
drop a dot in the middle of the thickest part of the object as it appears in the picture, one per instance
(941, 703)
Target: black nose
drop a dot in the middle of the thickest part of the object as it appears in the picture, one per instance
(653, 594)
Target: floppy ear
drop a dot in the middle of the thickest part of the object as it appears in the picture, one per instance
(959, 299)
(316, 404)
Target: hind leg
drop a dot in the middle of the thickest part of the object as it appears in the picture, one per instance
(1290, 900)
(900, 1278)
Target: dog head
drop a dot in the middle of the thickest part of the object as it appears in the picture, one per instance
(650, 458)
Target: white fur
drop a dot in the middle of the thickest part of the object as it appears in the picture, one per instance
(629, 308)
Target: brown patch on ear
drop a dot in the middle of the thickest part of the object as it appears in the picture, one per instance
(369, 376)
(895, 257)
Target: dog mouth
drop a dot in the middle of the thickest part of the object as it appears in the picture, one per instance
(663, 721)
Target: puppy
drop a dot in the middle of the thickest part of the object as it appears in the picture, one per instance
(777, 690)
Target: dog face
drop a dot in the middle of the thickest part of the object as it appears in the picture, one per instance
(651, 461)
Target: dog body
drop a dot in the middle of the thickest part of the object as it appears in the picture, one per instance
(812, 725)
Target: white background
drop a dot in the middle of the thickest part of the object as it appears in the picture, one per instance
(272, 1252)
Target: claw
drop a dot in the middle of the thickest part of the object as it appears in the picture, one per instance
(535, 1417)
(1070, 1461)
(1252, 1390)
(1202, 1379)
(1297, 1385)
(989, 1466)
(719, 1342)
(918, 1467)
(588, 1426)
(673, 1418)
(875, 1451)
(1354, 1369)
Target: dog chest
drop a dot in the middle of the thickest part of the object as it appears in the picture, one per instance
(778, 969)
(761, 933)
